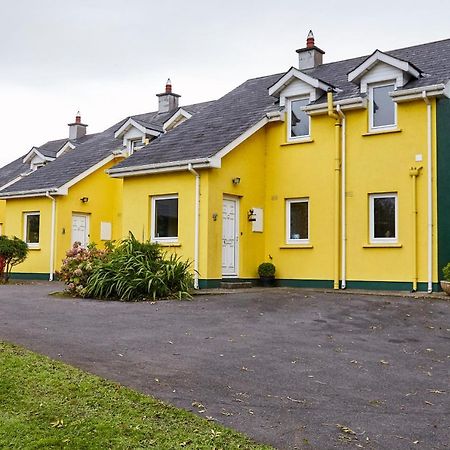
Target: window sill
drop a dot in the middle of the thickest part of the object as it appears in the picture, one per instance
(385, 131)
(305, 140)
(168, 244)
(383, 245)
(33, 248)
(295, 246)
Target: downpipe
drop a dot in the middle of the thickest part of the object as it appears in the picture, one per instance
(196, 224)
(52, 237)
(337, 186)
(414, 172)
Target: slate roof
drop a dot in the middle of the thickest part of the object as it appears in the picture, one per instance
(89, 150)
(220, 123)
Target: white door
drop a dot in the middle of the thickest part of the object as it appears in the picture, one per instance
(80, 229)
(230, 237)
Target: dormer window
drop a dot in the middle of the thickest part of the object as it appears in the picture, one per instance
(382, 109)
(135, 144)
(298, 120)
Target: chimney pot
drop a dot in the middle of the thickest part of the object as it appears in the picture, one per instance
(310, 40)
(168, 86)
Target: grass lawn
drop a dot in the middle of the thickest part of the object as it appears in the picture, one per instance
(47, 404)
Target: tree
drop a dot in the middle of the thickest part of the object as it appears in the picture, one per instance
(13, 251)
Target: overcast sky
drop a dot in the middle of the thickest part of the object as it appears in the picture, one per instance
(109, 58)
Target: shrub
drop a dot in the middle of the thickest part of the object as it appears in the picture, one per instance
(139, 271)
(266, 270)
(446, 272)
(13, 251)
(78, 265)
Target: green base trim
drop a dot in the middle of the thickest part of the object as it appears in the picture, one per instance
(29, 276)
(390, 286)
(314, 284)
(328, 284)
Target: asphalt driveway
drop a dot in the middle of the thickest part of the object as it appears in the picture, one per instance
(294, 368)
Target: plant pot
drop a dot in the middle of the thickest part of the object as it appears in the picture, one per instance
(445, 285)
(267, 281)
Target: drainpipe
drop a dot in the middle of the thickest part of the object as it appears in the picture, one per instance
(429, 194)
(337, 185)
(343, 200)
(52, 237)
(414, 173)
(197, 223)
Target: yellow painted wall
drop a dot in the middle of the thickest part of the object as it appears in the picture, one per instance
(2, 215)
(38, 260)
(104, 204)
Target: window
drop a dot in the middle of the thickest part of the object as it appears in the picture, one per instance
(383, 218)
(298, 120)
(297, 221)
(31, 228)
(382, 108)
(165, 218)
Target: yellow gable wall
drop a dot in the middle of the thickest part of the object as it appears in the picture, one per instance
(104, 205)
(2, 215)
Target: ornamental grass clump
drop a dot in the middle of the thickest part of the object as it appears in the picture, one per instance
(78, 266)
(140, 271)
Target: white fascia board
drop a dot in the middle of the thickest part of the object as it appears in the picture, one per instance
(65, 187)
(30, 193)
(35, 152)
(175, 117)
(10, 182)
(275, 116)
(405, 95)
(379, 56)
(294, 73)
(346, 104)
(233, 144)
(64, 148)
(155, 167)
(178, 168)
(132, 123)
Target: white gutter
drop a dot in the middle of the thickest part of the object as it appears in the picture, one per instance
(30, 193)
(429, 193)
(52, 237)
(405, 95)
(345, 104)
(197, 224)
(343, 200)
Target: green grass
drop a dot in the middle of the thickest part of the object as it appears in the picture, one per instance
(45, 404)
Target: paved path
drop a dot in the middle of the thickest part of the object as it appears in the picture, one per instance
(287, 367)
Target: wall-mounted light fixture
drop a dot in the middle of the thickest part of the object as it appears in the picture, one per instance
(251, 216)
(236, 180)
(84, 200)
(214, 217)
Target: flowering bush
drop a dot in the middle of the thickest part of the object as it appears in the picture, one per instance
(78, 265)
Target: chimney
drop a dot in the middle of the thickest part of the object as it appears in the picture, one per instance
(77, 129)
(168, 101)
(310, 56)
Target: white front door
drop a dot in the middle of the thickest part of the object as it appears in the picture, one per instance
(230, 237)
(80, 229)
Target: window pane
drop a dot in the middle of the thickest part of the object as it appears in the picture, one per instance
(384, 217)
(166, 218)
(299, 220)
(383, 106)
(299, 118)
(32, 236)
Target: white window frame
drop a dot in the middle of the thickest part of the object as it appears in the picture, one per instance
(371, 87)
(154, 238)
(25, 222)
(291, 138)
(133, 143)
(288, 203)
(382, 240)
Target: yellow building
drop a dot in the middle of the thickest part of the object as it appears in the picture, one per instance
(334, 172)
(60, 193)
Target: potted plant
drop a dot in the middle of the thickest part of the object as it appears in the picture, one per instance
(445, 283)
(266, 272)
